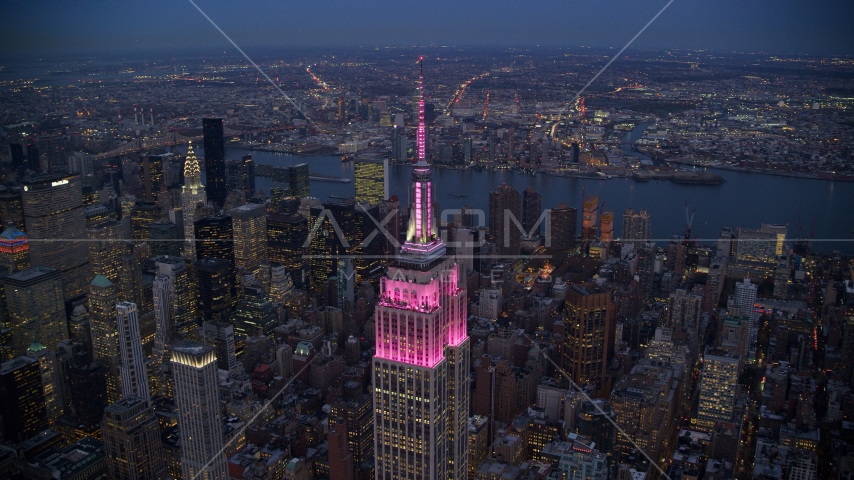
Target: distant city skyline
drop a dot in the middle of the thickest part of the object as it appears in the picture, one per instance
(786, 27)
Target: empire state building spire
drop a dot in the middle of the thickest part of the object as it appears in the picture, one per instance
(422, 235)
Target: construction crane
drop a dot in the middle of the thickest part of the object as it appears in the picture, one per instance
(689, 219)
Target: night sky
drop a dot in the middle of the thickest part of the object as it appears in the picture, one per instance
(84, 26)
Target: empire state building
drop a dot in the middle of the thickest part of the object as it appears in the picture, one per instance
(421, 366)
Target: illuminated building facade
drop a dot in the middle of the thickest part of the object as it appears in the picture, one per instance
(293, 180)
(718, 386)
(132, 439)
(356, 409)
(192, 195)
(11, 210)
(34, 301)
(636, 226)
(52, 379)
(255, 313)
(338, 231)
(589, 214)
(194, 371)
(144, 214)
(759, 245)
(175, 313)
(371, 181)
(14, 250)
(106, 248)
(53, 209)
(286, 238)
(105, 333)
(214, 239)
(606, 226)
(421, 364)
(249, 227)
(590, 322)
(133, 372)
(152, 175)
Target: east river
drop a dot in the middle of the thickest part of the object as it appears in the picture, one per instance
(744, 200)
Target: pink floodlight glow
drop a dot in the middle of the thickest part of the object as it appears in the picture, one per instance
(427, 206)
(418, 211)
(422, 154)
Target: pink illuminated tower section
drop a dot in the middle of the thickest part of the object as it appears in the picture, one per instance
(421, 364)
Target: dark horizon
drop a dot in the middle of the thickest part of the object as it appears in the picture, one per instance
(267, 53)
(786, 28)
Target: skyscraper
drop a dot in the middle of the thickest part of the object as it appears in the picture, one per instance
(340, 458)
(14, 250)
(606, 226)
(505, 202)
(214, 289)
(421, 363)
(758, 246)
(718, 386)
(11, 209)
(53, 379)
(53, 209)
(33, 157)
(564, 224)
(16, 152)
(143, 215)
(255, 313)
(152, 175)
(590, 210)
(636, 226)
(745, 300)
(296, 177)
(196, 386)
(221, 336)
(531, 209)
(175, 313)
(192, 195)
(248, 172)
(105, 333)
(164, 238)
(399, 147)
(214, 239)
(249, 227)
(286, 237)
(590, 321)
(371, 181)
(132, 439)
(214, 140)
(133, 372)
(34, 299)
(21, 399)
(106, 248)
